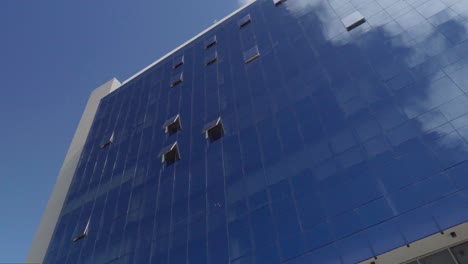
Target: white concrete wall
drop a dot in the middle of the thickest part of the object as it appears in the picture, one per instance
(54, 206)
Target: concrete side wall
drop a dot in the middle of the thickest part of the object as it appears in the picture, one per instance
(54, 206)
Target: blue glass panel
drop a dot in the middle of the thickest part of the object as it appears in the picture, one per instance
(354, 248)
(217, 247)
(393, 237)
(239, 238)
(291, 247)
(318, 236)
(262, 227)
(267, 255)
(338, 146)
(197, 252)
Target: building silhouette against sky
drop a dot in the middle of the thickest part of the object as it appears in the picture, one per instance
(289, 132)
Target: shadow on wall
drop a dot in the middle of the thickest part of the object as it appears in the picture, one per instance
(390, 94)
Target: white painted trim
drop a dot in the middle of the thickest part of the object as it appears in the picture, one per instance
(423, 247)
(188, 42)
(51, 214)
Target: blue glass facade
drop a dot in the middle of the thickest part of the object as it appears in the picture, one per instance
(338, 146)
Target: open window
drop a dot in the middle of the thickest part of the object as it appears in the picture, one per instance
(211, 58)
(172, 125)
(278, 2)
(170, 154)
(353, 21)
(210, 42)
(244, 21)
(178, 61)
(108, 141)
(177, 79)
(214, 130)
(81, 232)
(251, 54)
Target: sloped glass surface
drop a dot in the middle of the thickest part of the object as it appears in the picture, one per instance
(339, 146)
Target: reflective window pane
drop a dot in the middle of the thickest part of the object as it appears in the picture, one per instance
(438, 258)
(461, 253)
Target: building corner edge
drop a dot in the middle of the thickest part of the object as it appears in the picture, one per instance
(44, 232)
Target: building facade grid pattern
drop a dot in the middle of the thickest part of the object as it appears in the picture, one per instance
(338, 146)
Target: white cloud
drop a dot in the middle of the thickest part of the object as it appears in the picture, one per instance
(244, 2)
(299, 7)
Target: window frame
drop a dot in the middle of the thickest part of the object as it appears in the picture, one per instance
(278, 2)
(353, 20)
(178, 61)
(174, 120)
(108, 142)
(244, 21)
(215, 124)
(177, 79)
(248, 59)
(174, 147)
(84, 233)
(211, 42)
(211, 58)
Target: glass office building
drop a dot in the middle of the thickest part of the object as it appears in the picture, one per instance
(295, 132)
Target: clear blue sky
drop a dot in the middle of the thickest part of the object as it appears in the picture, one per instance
(52, 55)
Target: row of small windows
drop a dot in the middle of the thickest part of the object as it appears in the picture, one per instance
(212, 55)
(249, 55)
(170, 154)
(213, 131)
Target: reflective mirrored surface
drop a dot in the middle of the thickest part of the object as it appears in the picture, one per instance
(338, 146)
